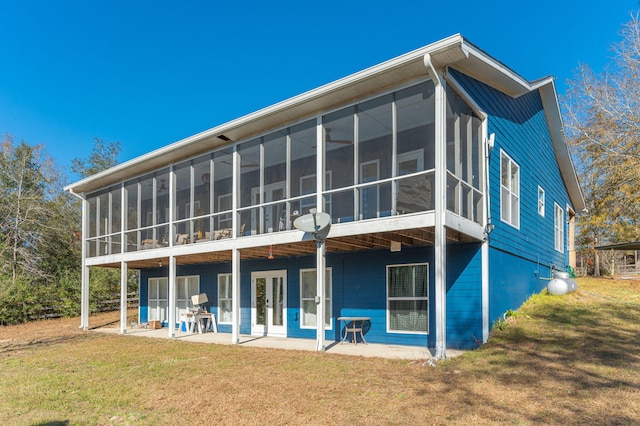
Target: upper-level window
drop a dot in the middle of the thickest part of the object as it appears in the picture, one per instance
(541, 201)
(509, 190)
(558, 226)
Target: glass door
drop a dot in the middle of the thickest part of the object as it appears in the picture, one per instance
(269, 303)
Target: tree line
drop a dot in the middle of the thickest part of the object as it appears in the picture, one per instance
(40, 238)
(602, 121)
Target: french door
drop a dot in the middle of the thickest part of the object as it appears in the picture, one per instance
(269, 303)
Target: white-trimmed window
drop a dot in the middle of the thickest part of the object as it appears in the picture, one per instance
(225, 299)
(558, 226)
(308, 306)
(540, 201)
(187, 286)
(408, 298)
(509, 190)
(158, 299)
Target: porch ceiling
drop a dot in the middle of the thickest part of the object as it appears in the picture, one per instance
(408, 238)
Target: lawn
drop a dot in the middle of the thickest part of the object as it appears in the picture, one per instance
(573, 359)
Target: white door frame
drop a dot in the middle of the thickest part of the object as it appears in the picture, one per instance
(269, 328)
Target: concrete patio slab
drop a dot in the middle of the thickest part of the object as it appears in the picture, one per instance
(332, 347)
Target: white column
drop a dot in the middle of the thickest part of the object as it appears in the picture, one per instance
(320, 249)
(124, 272)
(84, 271)
(440, 206)
(172, 297)
(321, 300)
(235, 296)
(84, 297)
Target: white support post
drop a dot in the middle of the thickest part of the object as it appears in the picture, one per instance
(124, 274)
(172, 297)
(320, 290)
(440, 206)
(84, 274)
(320, 247)
(84, 297)
(235, 296)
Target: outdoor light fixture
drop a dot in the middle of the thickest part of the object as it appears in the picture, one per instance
(270, 252)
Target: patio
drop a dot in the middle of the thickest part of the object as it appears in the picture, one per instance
(332, 347)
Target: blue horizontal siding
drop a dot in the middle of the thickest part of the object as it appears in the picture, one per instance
(464, 295)
(522, 132)
(359, 283)
(520, 257)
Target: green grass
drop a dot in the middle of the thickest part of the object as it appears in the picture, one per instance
(558, 360)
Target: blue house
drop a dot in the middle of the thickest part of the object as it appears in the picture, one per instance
(444, 175)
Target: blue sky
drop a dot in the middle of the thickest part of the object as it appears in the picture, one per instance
(149, 73)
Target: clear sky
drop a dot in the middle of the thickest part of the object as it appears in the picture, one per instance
(149, 73)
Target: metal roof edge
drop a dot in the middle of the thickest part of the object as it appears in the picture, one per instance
(551, 107)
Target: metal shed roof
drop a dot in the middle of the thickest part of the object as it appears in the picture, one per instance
(622, 246)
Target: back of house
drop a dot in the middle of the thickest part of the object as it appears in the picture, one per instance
(445, 177)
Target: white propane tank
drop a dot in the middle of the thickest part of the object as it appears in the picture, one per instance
(561, 284)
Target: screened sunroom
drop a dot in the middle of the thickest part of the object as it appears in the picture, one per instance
(376, 160)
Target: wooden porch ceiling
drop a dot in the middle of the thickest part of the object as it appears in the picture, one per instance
(363, 242)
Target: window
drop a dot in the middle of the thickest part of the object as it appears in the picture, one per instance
(541, 201)
(159, 296)
(225, 299)
(558, 228)
(509, 191)
(158, 299)
(408, 298)
(308, 298)
(187, 287)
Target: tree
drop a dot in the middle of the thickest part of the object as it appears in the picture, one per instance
(602, 116)
(26, 180)
(104, 155)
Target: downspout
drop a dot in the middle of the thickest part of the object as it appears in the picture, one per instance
(440, 243)
(488, 144)
(84, 271)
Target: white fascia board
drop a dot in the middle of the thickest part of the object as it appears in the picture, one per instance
(465, 226)
(492, 72)
(556, 130)
(387, 224)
